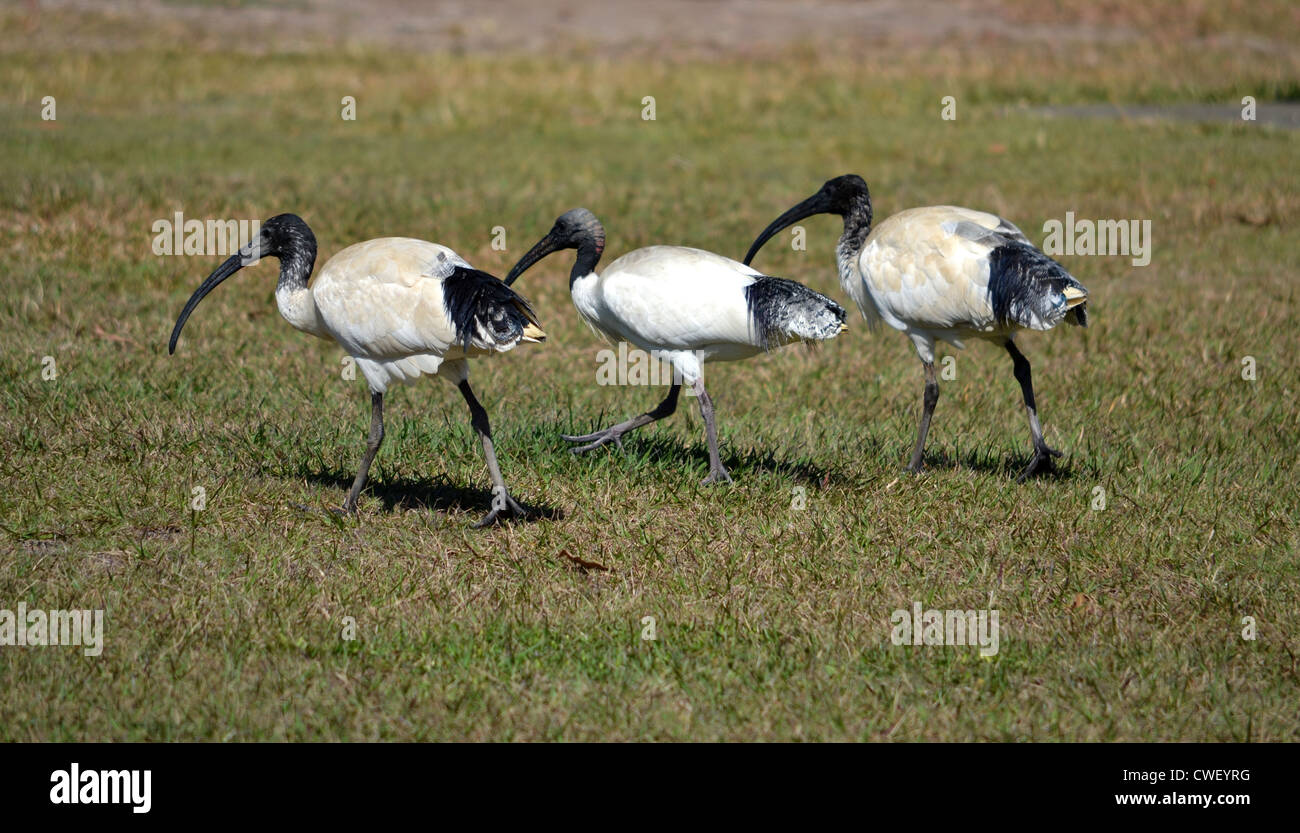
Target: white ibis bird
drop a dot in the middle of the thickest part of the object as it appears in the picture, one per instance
(402, 308)
(948, 273)
(683, 306)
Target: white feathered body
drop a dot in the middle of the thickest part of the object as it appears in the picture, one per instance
(385, 302)
(930, 272)
(687, 306)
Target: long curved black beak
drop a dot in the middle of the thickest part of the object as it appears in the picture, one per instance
(547, 245)
(232, 265)
(818, 203)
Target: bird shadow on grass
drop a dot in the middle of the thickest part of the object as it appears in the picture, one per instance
(438, 496)
(664, 451)
(993, 461)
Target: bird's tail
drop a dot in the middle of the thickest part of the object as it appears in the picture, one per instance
(1029, 289)
(1076, 303)
(782, 311)
(486, 313)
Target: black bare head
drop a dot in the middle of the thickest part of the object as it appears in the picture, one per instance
(284, 236)
(577, 229)
(288, 238)
(845, 195)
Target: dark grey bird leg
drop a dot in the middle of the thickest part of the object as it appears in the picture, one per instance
(372, 447)
(929, 400)
(501, 500)
(614, 433)
(717, 474)
(1042, 454)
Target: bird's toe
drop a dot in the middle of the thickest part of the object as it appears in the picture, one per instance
(595, 441)
(501, 510)
(1042, 462)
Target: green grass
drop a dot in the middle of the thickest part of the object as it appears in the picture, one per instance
(772, 622)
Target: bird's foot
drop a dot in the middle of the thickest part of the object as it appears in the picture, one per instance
(595, 440)
(1042, 461)
(716, 475)
(503, 506)
(913, 468)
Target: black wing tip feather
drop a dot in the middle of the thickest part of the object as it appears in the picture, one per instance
(782, 307)
(1020, 277)
(479, 302)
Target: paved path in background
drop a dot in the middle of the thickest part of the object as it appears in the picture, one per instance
(688, 27)
(1276, 113)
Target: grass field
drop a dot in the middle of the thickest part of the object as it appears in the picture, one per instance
(772, 622)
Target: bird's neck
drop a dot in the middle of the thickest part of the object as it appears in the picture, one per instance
(588, 256)
(857, 226)
(292, 295)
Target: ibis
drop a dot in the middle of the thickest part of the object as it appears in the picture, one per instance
(948, 273)
(402, 308)
(685, 307)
